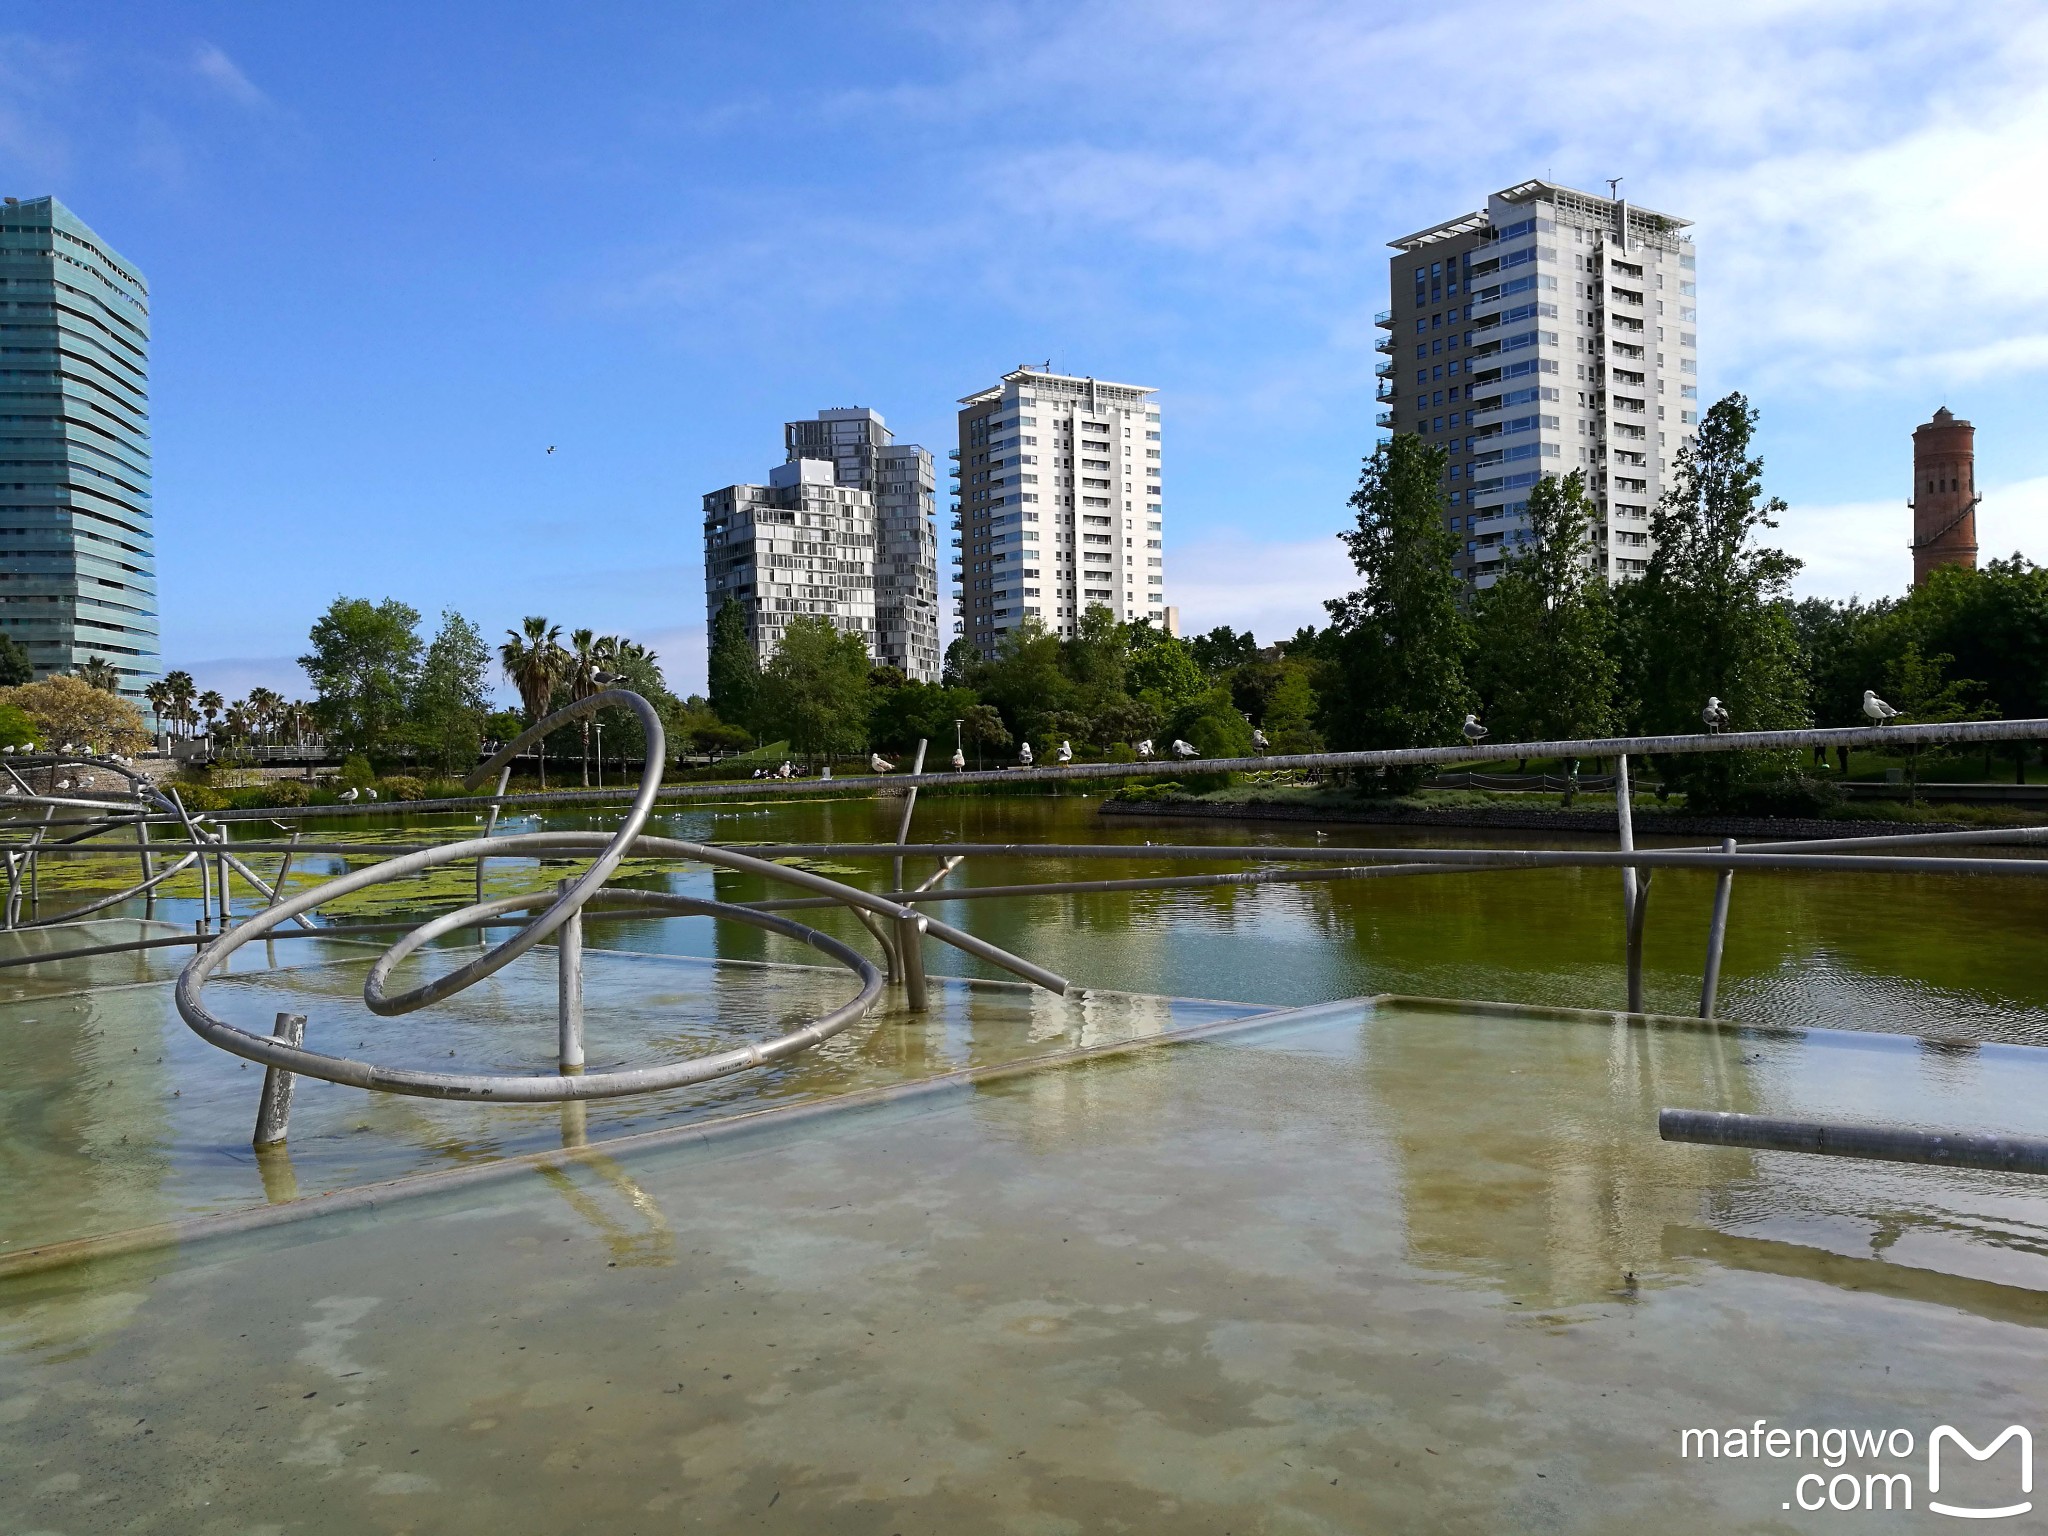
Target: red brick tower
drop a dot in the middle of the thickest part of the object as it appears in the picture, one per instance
(1944, 494)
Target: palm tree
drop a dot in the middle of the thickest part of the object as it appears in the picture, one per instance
(179, 692)
(211, 704)
(265, 706)
(98, 672)
(158, 694)
(587, 657)
(535, 663)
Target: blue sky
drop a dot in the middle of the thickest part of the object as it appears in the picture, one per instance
(398, 250)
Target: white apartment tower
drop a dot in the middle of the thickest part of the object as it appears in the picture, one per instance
(864, 455)
(802, 543)
(1555, 330)
(1059, 508)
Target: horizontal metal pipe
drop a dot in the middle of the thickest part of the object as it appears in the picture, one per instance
(1957, 731)
(1883, 1143)
(1150, 883)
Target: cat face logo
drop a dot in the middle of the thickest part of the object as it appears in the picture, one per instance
(1967, 1512)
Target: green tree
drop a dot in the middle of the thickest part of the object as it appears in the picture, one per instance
(1161, 672)
(1712, 615)
(1289, 718)
(1027, 681)
(734, 667)
(16, 728)
(814, 689)
(1211, 722)
(98, 672)
(15, 667)
(1222, 649)
(1994, 623)
(1396, 673)
(1543, 657)
(363, 663)
(451, 697)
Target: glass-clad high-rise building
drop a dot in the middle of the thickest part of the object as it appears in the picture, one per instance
(77, 547)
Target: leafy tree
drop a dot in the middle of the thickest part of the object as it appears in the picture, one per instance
(15, 667)
(1289, 717)
(1994, 623)
(1161, 673)
(983, 725)
(363, 663)
(814, 689)
(66, 711)
(1211, 722)
(1396, 671)
(734, 666)
(1027, 681)
(1711, 617)
(901, 715)
(451, 697)
(962, 662)
(17, 730)
(1543, 655)
(1221, 649)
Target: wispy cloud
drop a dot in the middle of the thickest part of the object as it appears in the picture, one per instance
(1862, 548)
(211, 64)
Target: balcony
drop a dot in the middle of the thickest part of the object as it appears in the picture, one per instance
(1384, 419)
(1386, 391)
(1384, 319)
(1384, 370)
(1385, 344)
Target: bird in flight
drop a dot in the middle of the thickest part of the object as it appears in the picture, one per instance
(551, 447)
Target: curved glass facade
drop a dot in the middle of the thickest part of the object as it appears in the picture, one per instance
(77, 547)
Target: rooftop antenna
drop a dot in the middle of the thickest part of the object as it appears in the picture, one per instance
(1614, 188)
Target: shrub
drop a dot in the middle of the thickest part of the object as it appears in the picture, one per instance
(357, 773)
(402, 786)
(287, 792)
(203, 797)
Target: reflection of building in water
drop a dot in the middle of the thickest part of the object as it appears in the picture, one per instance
(1527, 1149)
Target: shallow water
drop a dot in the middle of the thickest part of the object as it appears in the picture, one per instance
(1379, 1269)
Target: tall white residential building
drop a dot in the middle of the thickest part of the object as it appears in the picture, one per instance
(1555, 330)
(1059, 508)
(865, 455)
(802, 543)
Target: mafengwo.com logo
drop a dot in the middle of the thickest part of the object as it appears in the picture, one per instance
(1857, 1471)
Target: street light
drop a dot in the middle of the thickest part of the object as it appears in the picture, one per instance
(600, 754)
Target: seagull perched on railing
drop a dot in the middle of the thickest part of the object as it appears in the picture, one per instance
(879, 763)
(1876, 708)
(1024, 754)
(1145, 748)
(1715, 716)
(959, 759)
(1259, 742)
(1066, 753)
(1473, 730)
(349, 796)
(785, 771)
(1184, 748)
(371, 793)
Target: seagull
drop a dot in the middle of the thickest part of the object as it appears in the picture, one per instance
(785, 771)
(1066, 753)
(551, 447)
(1184, 748)
(1024, 754)
(879, 763)
(371, 793)
(1259, 742)
(349, 796)
(1473, 730)
(959, 759)
(8, 750)
(1876, 708)
(1145, 748)
(1715, 715)
(63, 783)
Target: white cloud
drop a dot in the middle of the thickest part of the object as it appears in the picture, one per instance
(1862, 548)
(212, 65)
(1269, 588)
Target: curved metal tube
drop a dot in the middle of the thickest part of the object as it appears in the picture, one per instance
(588, 884)
(525, 1088)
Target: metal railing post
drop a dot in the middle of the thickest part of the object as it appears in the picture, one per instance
(569, 991)
(1717, 934)
(490, 826)
(274, 1111)
(1634, 888)
(910, 931)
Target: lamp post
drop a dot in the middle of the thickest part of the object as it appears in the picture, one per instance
(600, 754)
(959, 748)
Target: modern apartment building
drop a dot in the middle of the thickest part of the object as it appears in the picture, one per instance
(1059, 505)
(1553, 330)
(865, 455)
(802, 543)
(77, 539)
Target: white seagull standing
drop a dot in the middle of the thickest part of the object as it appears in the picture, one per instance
(1473, 730)
(1024, 754)
(1066, 753)
(1145, 749)
(1876, 708)
(879, 763)
(959, 759)
(1715, 716)
(1184, 748)
(349, 796)
(1259, 742)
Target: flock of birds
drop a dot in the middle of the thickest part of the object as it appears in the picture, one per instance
(1715, 716)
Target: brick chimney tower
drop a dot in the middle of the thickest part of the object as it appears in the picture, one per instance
(1944, 494)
